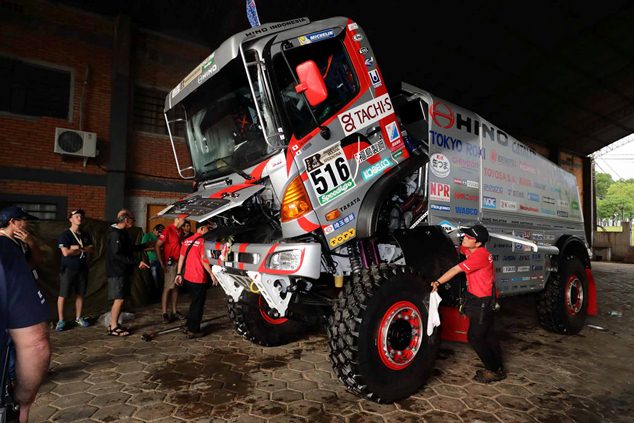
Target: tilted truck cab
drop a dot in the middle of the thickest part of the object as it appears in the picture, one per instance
(337, 202)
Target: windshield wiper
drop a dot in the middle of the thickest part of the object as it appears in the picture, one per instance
(235, 169)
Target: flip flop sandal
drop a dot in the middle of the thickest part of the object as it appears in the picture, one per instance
(118, 331)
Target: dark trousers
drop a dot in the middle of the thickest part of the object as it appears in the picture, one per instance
(482, 338)
(198, 293)
(157, 277)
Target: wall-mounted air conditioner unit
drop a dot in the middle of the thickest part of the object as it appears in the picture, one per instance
(75, 143)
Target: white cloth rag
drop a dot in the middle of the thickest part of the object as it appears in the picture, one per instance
(434, 317)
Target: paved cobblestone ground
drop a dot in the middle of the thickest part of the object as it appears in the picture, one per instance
(221, 377)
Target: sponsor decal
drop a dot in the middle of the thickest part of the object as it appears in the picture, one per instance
(549, 237)
(357, 37)
(537, 237)
(537, 267)
(515, 193)
(539, 185)
(442, 114)
(563, 204)
(339, 223)
(547, 211)
(376, 169)
(440, 165)
(562, 213)
(522, 150)
(493, 188)
(329, 173)
(447, 226)
(366, 114)
(393, 134)
(370, 151)
(574, 205)
(508, 258)
(466, 183)
(350, 204)
(556, 190)
(274, 163)
(363, 50)
(502, 159)
(508, 269)
(375, 78)
(508, 205)
(439, 192)
(276, 26)
(498, 174)
(341, 238)
(467, 210)
(525, 167)
(525, 182)
(464, 163)
(489, 202)
(455, 144)
(369, 62)
(353, 26)
(440, 208)
(523, 268)
(548, 200)
(533, 197)
(529, 208)
(397, 154)
(316, 37)
(465, 196)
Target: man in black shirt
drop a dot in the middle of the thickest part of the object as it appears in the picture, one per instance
(75, 247)
(24, 315)
(120, 263)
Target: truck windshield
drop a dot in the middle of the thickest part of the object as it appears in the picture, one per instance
(222, 129)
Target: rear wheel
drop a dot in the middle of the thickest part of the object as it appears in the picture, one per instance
(378, 344)
(251, 320)
(563, 304)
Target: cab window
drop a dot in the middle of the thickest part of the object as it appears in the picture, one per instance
(337, 71)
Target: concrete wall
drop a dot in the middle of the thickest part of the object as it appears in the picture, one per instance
(618, 244)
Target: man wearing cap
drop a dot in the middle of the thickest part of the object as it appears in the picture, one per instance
(479, 307)
(75, 247)
(194, 272)
(170, 241)
(14, 225)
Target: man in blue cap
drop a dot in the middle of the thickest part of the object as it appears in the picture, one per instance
(14, 225)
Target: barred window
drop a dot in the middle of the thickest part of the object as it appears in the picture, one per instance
(148, 112)
(34, 90)
(43, 211)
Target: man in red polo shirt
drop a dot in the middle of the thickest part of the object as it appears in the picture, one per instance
(170, 240)
(480, 301)
(194, 271)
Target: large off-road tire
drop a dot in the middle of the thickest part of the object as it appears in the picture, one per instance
(251, 321)
(378, 342)
(562, 306)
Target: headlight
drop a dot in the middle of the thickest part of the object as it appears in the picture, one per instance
(285, 260)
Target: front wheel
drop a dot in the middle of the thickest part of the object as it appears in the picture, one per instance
(563, 305)
(252, 322)
(378, 342)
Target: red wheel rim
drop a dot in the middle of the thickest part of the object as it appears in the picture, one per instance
(400, 335)
(268, 319)
(574, 295)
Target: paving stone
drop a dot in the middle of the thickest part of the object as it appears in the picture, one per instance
(222, 377)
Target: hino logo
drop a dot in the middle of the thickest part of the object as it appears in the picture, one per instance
(444, 116)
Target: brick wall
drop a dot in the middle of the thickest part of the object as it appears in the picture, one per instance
(61, 37)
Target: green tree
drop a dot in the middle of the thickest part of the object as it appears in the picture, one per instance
(602, 183)
(618, 201)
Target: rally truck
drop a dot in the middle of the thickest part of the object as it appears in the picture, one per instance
(337, 202)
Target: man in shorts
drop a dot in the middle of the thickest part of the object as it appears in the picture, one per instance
(120, 262)
(75, 246)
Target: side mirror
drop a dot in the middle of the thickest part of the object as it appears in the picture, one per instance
(311, 83)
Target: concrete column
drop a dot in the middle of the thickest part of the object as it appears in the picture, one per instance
(119, 116)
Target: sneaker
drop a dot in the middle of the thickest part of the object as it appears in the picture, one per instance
(193, 335)
(81, 322)
(179, 316)
(166, 318)
(488, 376)
(60, 326)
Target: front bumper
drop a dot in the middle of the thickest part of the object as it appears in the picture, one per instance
(266, 269)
